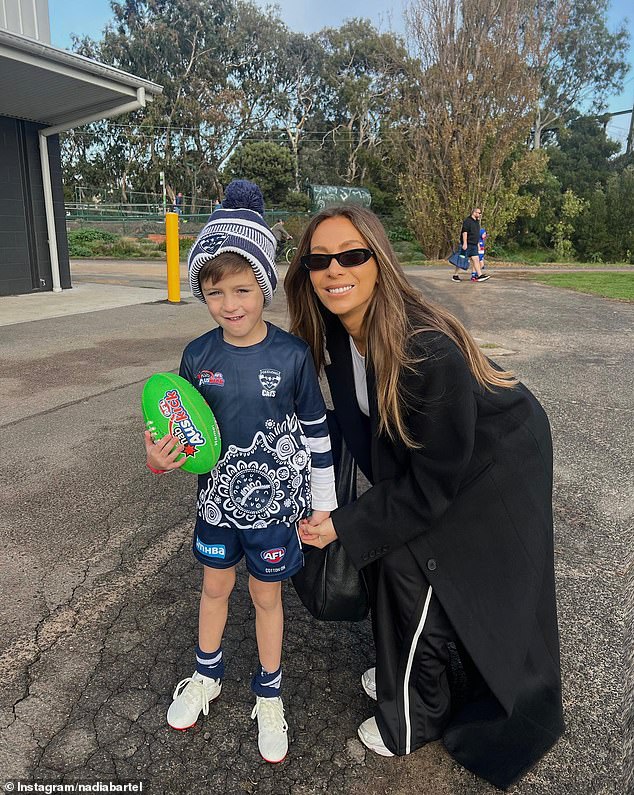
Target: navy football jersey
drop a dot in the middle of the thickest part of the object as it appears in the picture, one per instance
(275, 463)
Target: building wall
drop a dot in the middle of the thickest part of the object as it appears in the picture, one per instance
(25, 264)
(26, 17)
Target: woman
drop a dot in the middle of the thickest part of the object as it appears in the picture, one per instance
(455, 535)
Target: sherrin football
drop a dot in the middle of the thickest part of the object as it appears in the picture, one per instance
(172, 405)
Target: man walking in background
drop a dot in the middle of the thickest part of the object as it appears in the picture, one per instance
(469, 239)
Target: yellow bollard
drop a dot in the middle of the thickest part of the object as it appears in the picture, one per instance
(173, 258)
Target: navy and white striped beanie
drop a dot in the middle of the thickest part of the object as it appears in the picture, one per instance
(238, 226)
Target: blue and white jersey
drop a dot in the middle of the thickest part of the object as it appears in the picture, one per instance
(276, 462)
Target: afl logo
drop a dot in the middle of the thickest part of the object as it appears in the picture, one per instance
(273, 555)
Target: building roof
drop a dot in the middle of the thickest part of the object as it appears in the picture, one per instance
(54, 87)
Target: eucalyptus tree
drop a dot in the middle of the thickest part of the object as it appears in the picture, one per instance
(362, 69)
(218, 63)
(578, 61)
(299, 91)
(463, 114)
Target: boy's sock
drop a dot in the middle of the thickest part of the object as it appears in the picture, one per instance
(210, 664)
(266, 684)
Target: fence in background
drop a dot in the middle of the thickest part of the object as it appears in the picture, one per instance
(141, 220)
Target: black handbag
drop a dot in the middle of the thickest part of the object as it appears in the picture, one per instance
(329, 586)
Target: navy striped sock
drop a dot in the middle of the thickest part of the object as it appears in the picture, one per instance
(266, 684)
(210, 663)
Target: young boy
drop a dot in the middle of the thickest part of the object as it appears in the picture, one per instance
(275, 463)
(481, 245)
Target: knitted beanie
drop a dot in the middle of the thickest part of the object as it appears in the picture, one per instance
(238, 226)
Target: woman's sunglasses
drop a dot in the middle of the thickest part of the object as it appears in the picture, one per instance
(347, 259)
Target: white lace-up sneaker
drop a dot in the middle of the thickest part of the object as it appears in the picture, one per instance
(370, 736)
(272, 728)
(191, 697)
(368, 682)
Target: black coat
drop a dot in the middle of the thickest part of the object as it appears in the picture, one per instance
(474, 506)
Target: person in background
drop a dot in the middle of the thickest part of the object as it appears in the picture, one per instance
(469, 239)
(481, 245)
(281, 235)
(455, 534)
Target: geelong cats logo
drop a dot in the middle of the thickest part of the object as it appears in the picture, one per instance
(270, 380)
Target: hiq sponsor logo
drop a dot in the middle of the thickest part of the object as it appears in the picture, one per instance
(209, 378)
(273, 555)
(180, 423)
(211, 550)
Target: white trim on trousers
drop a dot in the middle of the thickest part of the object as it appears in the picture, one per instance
(408, 670)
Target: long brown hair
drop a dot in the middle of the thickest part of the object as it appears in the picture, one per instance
(397, 313)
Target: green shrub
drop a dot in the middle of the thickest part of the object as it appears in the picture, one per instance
(296, 201)
(88, 242)
(396, 233)
(89, 235)
(79, 250)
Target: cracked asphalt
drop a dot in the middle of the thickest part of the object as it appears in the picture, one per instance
(100, 590)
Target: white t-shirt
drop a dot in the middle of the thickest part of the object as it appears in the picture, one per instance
(360, 379)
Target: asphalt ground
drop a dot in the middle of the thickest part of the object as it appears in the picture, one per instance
(100, 589)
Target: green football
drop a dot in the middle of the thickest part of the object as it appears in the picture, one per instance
(172, 405)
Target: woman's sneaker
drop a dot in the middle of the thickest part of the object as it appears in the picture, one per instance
(368, 682)
(272, 728)
(370, 736)
(191, 697)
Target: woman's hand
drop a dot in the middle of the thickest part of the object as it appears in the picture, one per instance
(161, 454)
(317, 535)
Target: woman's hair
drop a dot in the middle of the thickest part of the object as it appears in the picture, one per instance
(227, 263)
(396, 313)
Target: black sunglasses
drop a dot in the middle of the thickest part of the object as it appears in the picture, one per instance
(347, 259)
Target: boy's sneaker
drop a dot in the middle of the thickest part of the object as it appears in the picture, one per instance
(191, 697)
(272, 728)
(370, 736)
(368, 682)
(456, 278)
(483, 277)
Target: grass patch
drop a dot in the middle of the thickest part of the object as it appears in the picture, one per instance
(525, 256)
(607, 285)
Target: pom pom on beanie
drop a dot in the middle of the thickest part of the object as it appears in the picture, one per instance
(237, 225)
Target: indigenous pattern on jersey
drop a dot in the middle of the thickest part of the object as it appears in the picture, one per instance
(276, 462)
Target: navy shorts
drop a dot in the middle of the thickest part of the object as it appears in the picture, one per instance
(271, 553)
(472, 251)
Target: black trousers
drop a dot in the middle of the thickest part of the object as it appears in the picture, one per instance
(416, 653)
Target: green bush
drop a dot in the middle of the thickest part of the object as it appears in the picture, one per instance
(79, 250)
(396, 233)
(89, 235)
(296, 201)
(88, 242)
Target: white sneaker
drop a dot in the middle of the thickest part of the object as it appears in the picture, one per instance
(272, 728)
(368, 682)
(191, 697)
(370, 736)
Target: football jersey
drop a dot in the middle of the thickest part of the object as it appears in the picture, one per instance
(275, 462)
